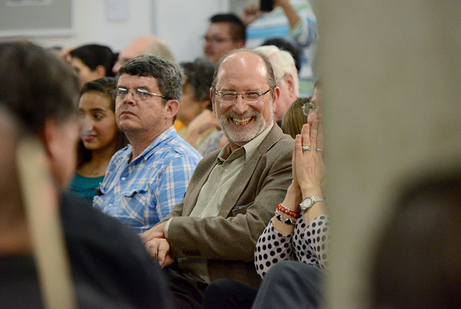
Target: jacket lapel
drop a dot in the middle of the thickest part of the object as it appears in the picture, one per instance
(232, 196)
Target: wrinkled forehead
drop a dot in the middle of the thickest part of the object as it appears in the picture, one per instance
(242, 67)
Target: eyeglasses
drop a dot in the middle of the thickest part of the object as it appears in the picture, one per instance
(218, 40)
(247, 96)
(139, 94)
(309, 107)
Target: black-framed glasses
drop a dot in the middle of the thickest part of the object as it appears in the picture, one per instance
(139, 94)
(309, 107)
(226, 96)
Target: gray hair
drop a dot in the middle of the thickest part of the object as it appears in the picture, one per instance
(282, 62)
(169, 75)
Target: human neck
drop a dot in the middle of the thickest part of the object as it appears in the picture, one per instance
(100, 159)
(141, 140)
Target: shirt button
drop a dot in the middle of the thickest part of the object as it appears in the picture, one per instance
(123, 178)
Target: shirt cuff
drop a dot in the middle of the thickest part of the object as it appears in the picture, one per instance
(165, 231)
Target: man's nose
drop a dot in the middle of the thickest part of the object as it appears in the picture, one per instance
(240, 106)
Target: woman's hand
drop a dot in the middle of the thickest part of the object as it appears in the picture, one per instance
(308, 164)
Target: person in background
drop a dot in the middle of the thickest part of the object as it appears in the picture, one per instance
(148, 177)
(100, 137)
(92, 62)
(224, 33)
(292, 252)
(286, 77)
(195, 110)
(291, 19)
(110, 267)
(289, 46)
(150, 45)
(295, 117)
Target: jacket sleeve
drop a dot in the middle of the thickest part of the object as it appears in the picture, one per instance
(234, 237)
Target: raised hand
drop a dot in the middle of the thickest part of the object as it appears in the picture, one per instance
(308, 161)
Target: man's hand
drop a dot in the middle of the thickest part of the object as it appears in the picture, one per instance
(159, 250)
(158, 231)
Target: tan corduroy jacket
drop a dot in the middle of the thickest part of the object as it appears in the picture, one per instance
(228, 240)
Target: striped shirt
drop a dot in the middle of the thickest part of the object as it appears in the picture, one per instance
(143, 192)
(304, 34)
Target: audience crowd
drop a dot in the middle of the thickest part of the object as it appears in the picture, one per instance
(178, 185)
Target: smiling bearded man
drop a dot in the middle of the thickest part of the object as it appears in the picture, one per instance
(233, 192)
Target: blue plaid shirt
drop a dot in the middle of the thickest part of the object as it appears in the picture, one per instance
(143, 192)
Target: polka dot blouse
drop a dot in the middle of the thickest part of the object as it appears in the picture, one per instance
(307, 245)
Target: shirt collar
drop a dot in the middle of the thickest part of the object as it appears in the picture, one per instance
(247, 150)
(163, 138)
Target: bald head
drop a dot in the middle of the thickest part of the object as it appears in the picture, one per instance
(143, 45)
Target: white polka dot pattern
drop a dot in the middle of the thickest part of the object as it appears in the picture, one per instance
(308, 245)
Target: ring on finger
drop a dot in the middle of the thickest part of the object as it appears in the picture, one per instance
(306, 148)
(318, 149)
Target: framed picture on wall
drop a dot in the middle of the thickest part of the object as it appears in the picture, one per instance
(19, 18)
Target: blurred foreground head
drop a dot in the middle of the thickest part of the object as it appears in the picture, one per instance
(418, 261)
(42, 93)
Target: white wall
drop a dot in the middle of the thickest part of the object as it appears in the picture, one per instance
(180, 23)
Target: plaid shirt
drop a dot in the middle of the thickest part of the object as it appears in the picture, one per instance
(143, 192)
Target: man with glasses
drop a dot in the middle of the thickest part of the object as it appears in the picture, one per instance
(234, 191)
(148, 177)
(225, 33)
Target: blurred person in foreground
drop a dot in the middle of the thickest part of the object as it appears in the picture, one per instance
(109, 265)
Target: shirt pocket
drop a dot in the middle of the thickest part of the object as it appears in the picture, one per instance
(134, 204)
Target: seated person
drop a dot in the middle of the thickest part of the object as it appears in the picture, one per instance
(195, 110)
(295, 117)
(100, 137)
(292, 250)
(107, 260)
(234, 191)
(287, 81)
(148, 177)
(92, 62)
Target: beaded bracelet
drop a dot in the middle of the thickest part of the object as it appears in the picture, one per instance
(281, 217)
(289, 212)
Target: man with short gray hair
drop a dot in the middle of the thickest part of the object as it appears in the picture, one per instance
(286, 75)
(148, 177)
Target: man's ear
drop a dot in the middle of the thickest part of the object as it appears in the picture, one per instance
(213, 101)
(275, 98)
(172, 108)
(290, 83)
